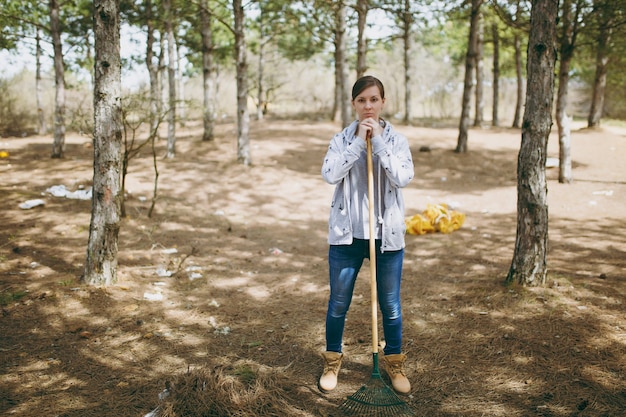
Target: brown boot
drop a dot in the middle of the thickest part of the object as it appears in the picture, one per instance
(332, 364)
(394, 365)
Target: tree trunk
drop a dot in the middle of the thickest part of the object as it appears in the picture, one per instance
(261, 93)
(58, 144)
(529, 266)
(102, 248)
(496, 75)
(261, 65)
(42, 128)
(362, 8)
(342, 98)
(171, 78)
(243, 117)
(468, 84)
(480, 74)
(208, 84)
(566, 52)
(153, 72)
(520, 83)
(180, 99)
(599, 88)
(605, 17)
(162, 66)
(564, 124)
(407, 18)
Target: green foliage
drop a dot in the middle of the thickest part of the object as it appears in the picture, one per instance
(245, 374)
(449, 38)
(19, 20)
(223, 39)
(77, 22)
(8, 41)
(294, 32)
(298, 48)
(306, 29)
(606, 14)
(10, 296)
(77, 18)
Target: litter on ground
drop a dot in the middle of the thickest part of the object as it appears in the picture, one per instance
(552, 162)
(29, 204)
(61, 191)
(436, 218)
(162, 272)
(151, 296)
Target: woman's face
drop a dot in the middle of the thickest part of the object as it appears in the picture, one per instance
(368, 104)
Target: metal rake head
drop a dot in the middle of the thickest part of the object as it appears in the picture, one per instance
(375, 399)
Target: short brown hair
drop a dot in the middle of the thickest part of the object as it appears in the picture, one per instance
(366, 82)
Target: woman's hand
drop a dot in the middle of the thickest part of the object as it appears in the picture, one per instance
(368, 128)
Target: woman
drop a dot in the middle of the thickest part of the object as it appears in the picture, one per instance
(345, 166)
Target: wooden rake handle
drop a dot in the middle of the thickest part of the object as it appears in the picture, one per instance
(372, 243)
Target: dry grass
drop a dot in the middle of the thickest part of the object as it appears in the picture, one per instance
(240, 389)
(244, 340)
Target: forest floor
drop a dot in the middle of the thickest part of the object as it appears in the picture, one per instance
(229, 277)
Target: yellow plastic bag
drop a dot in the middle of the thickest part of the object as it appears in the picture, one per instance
(435, 218)
(419, 225)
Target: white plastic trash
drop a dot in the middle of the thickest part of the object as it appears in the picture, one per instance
(150, 296)
(162, 272)
(29, 204)
(61, 191)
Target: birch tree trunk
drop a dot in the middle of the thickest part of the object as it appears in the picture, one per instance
(529, 266)
(243, 116)
(407, 18)
(261, 100)
(362, 8)
(153, 72)
(480, 74)
(566, 52)
(605, 18)
(162, 66)
(564, 124)
(102, 248)
(342, 97)
(470, 62)
(42, 127)
(180, 99)
(496, 75)
(208, 84)
(518, 69)
(599, 88)
(171, 78)
(58, 143)
(520, 82)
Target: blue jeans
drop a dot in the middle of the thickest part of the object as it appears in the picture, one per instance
(344, 263)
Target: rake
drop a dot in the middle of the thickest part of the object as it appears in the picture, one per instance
(375, 398)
